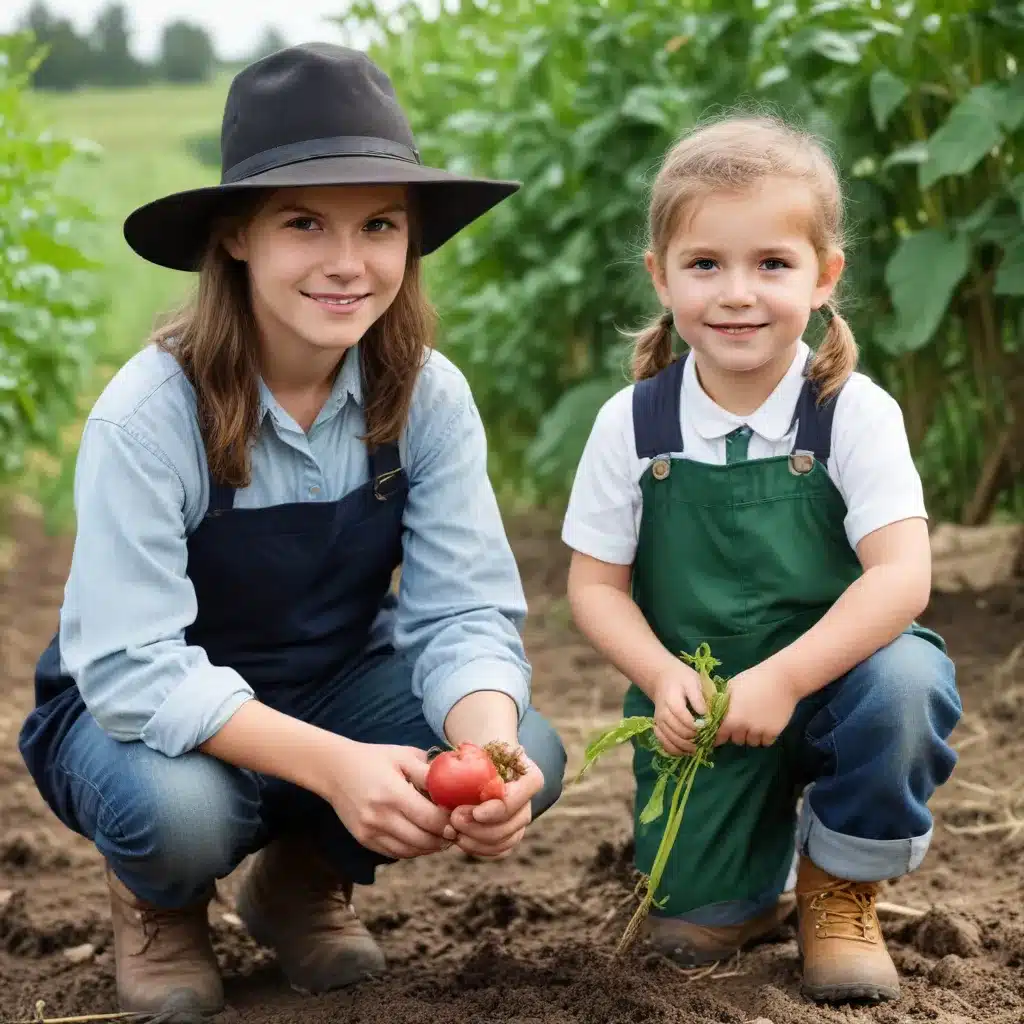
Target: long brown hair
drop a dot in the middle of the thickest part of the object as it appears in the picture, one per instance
(735, 153)
(213, 337)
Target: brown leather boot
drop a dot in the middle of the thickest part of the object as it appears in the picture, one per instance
(296, 904)
(164, 959)
(840, 938)
(693, 945)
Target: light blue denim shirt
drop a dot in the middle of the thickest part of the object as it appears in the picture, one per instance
(141, 487)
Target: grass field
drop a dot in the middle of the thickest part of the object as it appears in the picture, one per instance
(143, 152)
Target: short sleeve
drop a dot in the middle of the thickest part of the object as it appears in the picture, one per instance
(871, 462)
(603, 513)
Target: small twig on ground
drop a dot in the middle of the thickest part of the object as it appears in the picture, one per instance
(40, 1019)
(898, 910)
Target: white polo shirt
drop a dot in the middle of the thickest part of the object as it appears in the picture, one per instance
(870, 462)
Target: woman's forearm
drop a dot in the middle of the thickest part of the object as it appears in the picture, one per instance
(482, 717)
(272, 743)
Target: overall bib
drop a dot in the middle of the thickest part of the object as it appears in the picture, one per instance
(287, 595)
(746, 557)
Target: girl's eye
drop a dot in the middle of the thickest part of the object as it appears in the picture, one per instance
(703, 264)
(379, 224)
(301, 223)
(776, 264)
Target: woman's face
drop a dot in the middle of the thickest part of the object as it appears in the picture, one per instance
(324, 264)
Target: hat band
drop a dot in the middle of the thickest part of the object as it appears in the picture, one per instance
(315, 149)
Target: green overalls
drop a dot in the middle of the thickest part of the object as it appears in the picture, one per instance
(745, 556)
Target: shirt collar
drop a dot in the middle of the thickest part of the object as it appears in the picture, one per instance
(771, 420)
(348, 383)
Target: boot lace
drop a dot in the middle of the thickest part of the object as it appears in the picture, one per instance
(152, 919)
(845, 910)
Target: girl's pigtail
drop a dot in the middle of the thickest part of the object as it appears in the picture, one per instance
(652, 347)
(836, 357)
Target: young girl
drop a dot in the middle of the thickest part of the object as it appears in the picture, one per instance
(762, 498)
(231, 672)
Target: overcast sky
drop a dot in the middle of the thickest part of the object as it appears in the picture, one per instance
(235, 25)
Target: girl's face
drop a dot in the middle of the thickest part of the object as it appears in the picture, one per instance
(741, 277)
(324, 263)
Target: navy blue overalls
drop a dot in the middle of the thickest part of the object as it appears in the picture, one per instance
(286, 596)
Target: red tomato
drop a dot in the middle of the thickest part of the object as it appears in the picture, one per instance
(463, 777)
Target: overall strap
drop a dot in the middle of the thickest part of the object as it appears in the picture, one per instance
(222, 497)
(385, 470)
(656, 421)
(813, 420)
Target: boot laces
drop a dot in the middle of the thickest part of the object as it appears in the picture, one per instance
(845, 910)
(152, 919)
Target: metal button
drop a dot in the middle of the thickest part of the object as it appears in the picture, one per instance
(660, 469)
(314, 491)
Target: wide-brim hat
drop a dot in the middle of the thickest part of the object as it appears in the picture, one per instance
(316, 114)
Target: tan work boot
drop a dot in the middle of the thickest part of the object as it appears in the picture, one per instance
(296, 904)
(693, 945)
(840, 938)
(164, 958)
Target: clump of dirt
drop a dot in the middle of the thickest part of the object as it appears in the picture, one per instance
(941, 933)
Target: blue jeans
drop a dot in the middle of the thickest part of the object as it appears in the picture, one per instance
(873, 750)
(170, 826)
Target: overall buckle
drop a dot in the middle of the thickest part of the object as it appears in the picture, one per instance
(383, 479)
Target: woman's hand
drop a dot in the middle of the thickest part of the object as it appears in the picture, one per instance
(378, 790)
(495, 828)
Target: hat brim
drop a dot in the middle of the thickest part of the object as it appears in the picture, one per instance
(173, 231)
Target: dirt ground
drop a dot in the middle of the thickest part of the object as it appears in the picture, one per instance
(530, 940)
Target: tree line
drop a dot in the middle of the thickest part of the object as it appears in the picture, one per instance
(102, 56)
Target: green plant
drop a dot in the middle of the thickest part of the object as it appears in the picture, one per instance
(49, 297)
(683, 769)
(921, 102)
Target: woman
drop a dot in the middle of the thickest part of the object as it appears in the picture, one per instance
(233, 672)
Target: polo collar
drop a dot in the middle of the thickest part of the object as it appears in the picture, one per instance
(772, 420)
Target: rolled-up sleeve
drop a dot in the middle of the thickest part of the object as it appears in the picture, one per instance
(128, 601)
(461, 604)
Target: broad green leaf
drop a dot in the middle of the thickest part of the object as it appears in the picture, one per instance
(921, 277)
(836, 46)
(1011, 107)
(970, 131)
(623, 732)
(915, 153)
(1010, 275)
(655, 807)
(886, 92)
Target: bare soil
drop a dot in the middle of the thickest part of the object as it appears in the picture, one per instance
(531, 940)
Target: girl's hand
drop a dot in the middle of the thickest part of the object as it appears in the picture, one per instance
(495, 828)
(761, 703)
(674, 727)
(378, 793)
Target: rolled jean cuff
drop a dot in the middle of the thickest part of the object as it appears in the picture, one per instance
(854, 859)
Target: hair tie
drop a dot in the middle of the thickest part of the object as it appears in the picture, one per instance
(828, 312)
(667, 318)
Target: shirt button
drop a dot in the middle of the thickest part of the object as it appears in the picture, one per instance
(314, 491)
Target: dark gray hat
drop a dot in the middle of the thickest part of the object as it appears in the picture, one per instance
(315, 114)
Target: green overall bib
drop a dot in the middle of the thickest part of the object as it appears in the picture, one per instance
(747, 557)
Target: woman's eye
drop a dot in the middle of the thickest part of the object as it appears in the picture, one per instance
(703, 264)
(379, 224)
(301, 223)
